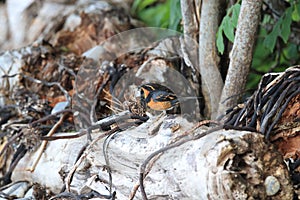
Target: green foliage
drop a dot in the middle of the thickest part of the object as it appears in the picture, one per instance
(281, 29)
(228, 26)
(155, 13)
(296, 12)
(274, 51)
(265, 61)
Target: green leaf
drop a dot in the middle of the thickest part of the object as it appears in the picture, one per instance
(220, 40)
(228, 24)
(235, 14)
(270, 40)
(266, 19)
(157, 13)
(157, 16)
(228, 28)
(296, 12)
(175, 14)
(291, 51)
(286, 25)
(134, 6)
(139, 5)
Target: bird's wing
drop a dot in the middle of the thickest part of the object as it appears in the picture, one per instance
(163, 96)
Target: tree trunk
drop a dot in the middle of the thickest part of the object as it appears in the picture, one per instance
(241, 54)
(212, 83)
(190, 18)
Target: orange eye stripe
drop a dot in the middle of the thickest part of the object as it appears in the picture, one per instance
(146, 92)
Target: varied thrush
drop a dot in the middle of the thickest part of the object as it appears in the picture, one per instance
(158, 97)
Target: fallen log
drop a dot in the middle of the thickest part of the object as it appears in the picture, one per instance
(224, 164)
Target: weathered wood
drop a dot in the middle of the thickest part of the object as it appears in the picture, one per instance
(223, 165)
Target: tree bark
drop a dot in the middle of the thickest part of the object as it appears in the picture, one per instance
(189, 18)
(212, 83)
(241, 54)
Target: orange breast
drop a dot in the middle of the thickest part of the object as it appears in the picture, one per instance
(160, 106)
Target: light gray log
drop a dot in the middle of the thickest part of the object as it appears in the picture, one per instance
(223, 165)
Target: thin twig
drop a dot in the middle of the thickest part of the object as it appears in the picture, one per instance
(85, 154)
(66, 94)
(44, 143)
(114, 100)
(120, 127)
(104, 124)
(67, 136)
(284, 106)
(21, 151)
(137, 185)
(115, 110)
(93, 107)
(171, 146)
(11, 140)
(274, 110)
(107, 164)
(34, 80)
(50, 117)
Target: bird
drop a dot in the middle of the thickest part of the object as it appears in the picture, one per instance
(158, 97)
